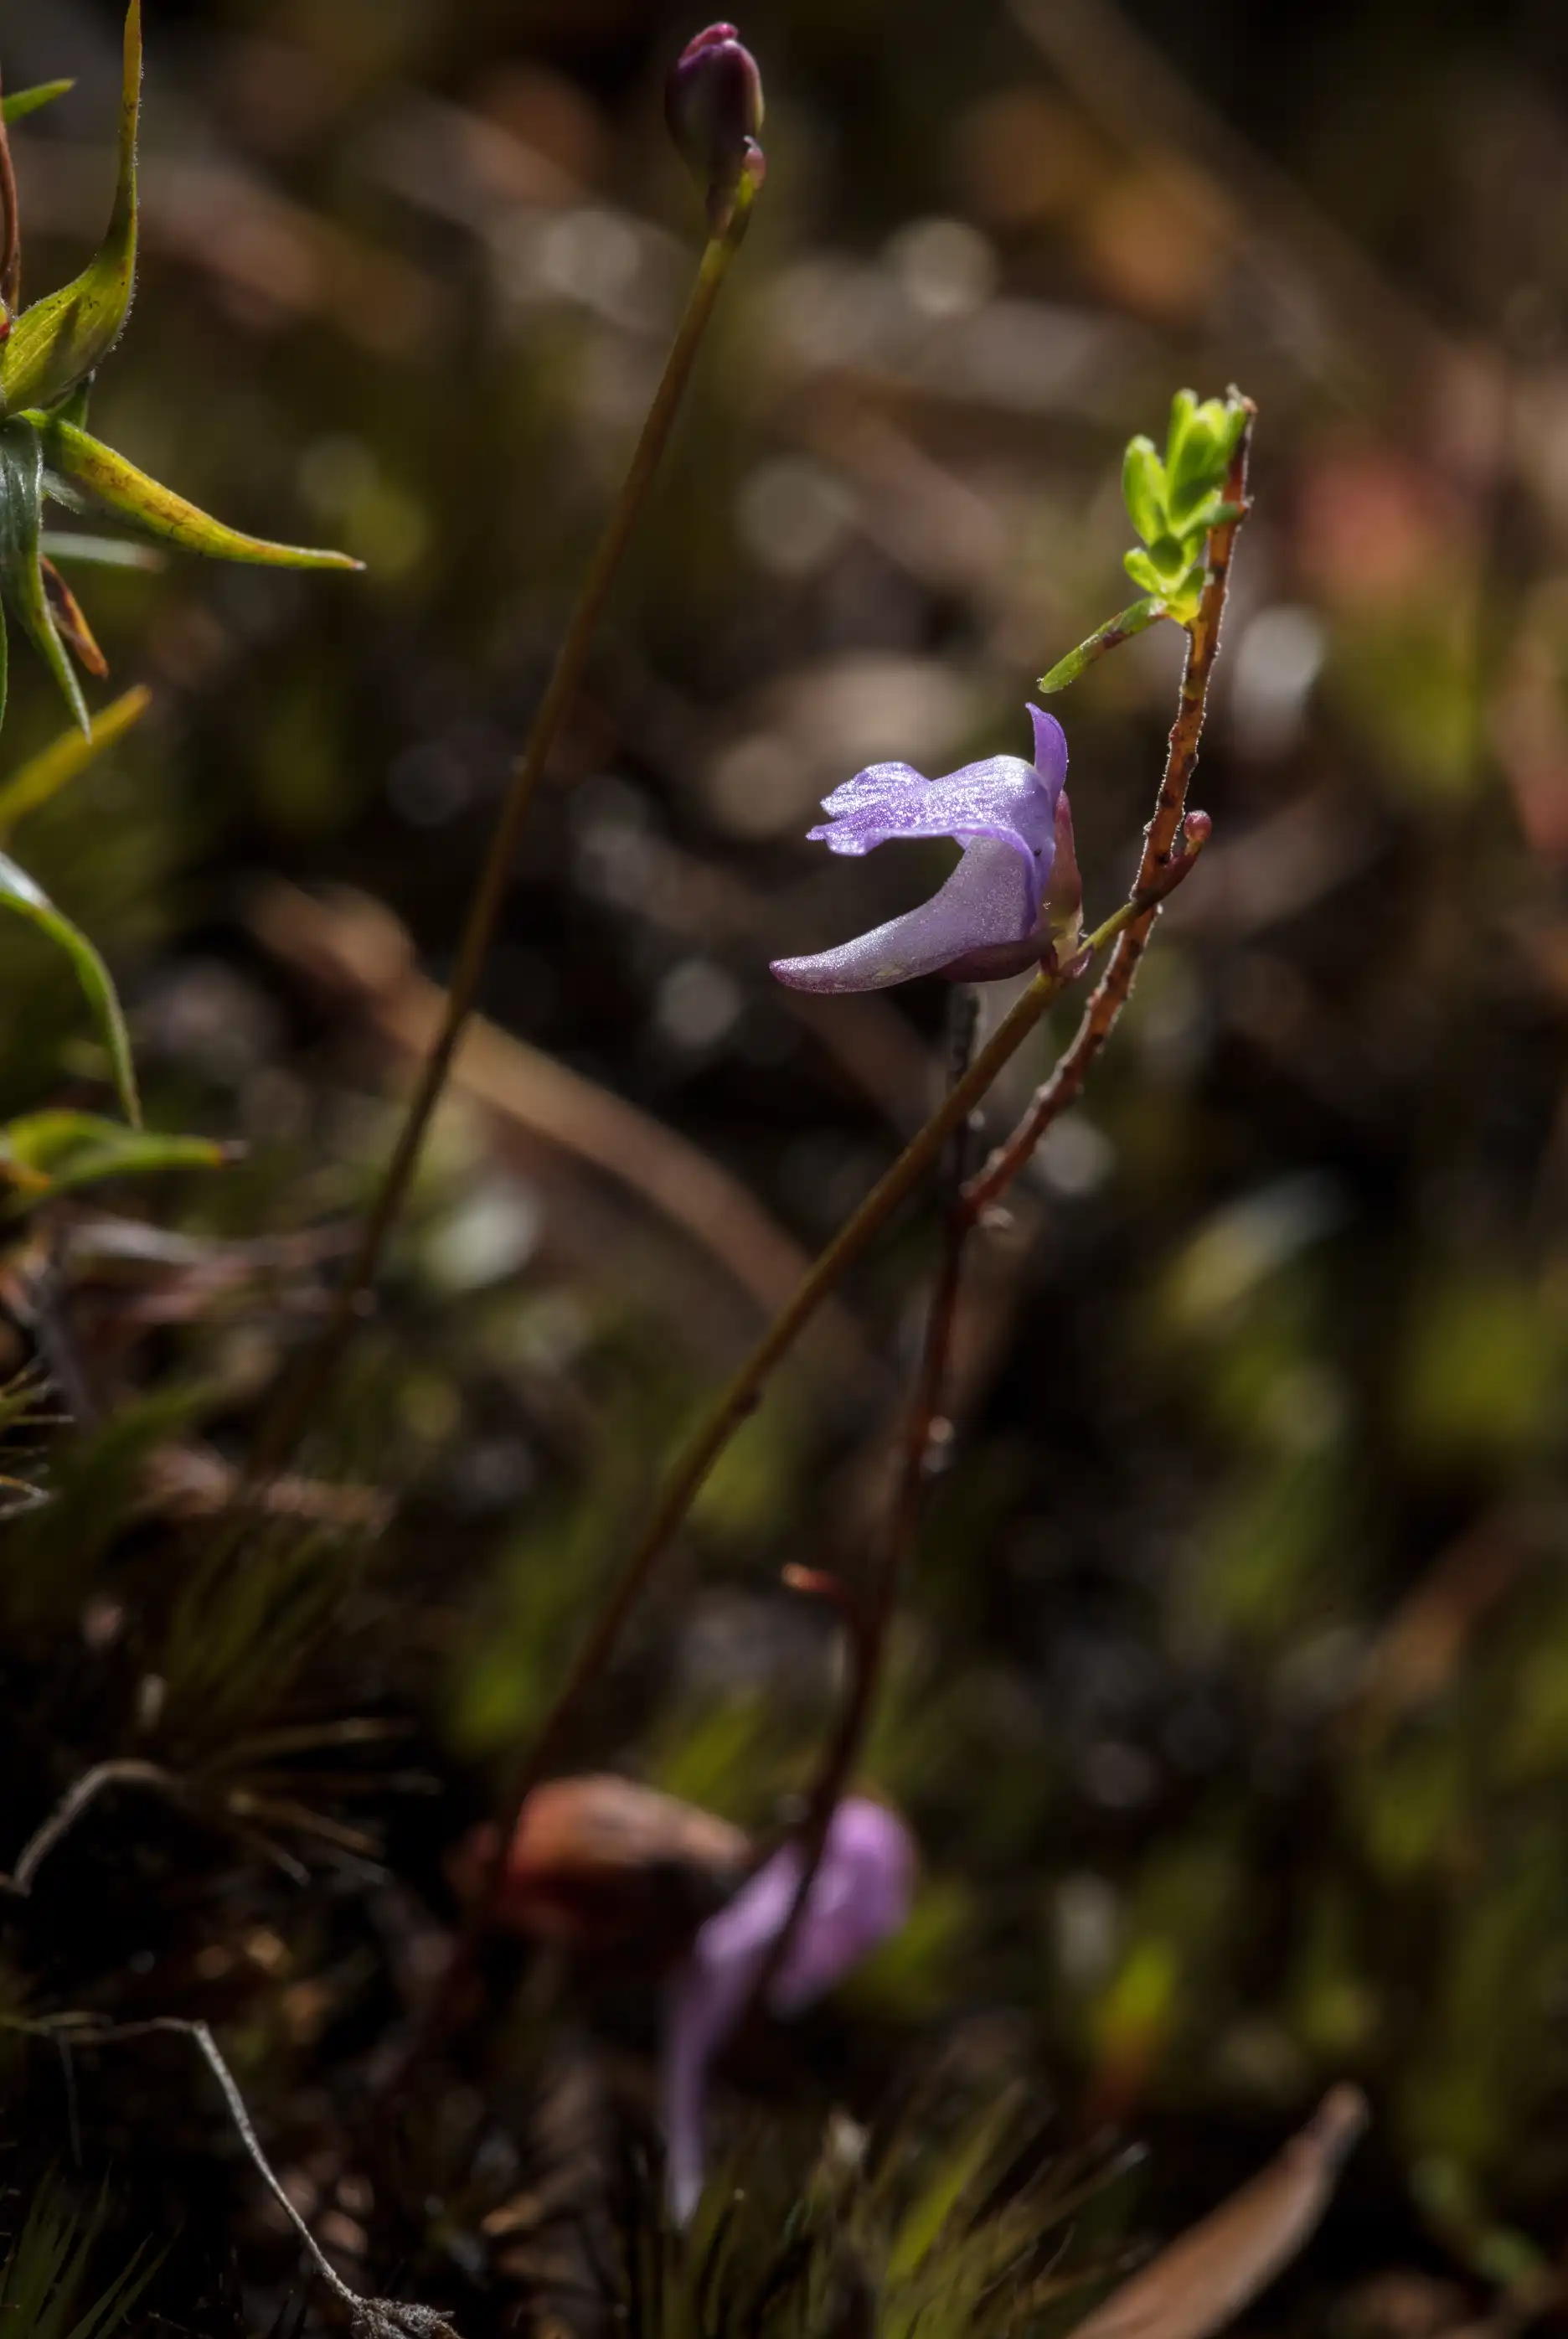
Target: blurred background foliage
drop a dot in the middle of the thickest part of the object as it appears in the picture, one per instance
(1231, 1702)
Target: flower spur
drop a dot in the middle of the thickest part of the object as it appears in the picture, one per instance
(859, 1898)
(1013, 896)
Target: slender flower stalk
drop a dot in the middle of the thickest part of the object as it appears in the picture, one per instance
(1172, 846)
(739, 1399)
(299, 1403)
(1173, 837)
(870, 1623)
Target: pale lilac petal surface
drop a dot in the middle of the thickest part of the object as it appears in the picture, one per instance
(1050, 750)
(860, 1895)
(990, 899)
(1004, 812)
(1003, 798)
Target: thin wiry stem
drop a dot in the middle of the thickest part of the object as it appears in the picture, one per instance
(301, 1403)
(1161, 840)
(128, 1772)
(1170, 830)
(374, 2318)
(1171, 848)
(10, 225)
(733, 1406)
(872, 1623)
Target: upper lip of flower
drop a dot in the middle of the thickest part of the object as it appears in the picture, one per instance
(991, 902)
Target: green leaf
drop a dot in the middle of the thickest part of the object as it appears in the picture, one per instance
(1199, 463)
(23, 101)
(1142, 571)
(87, 462)
(1109, 636)
(58, 341)
(64, 544)
(18, 893)
(1199, 474)
(67, 759)
(1170, 558)
(1197, 523)
(58, 1152)
(1183, 409)
(1143, 486)
(21, 506)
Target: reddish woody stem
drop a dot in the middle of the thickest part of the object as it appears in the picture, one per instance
(1173, 841)
(1162, 841)
(10, 232)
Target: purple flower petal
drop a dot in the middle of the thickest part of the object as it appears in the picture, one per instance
(1050, 750)
(984, 920)
(1002, 798)
(990, 899)
(860, 1894)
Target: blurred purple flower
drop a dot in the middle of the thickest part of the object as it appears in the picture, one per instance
(860, 1895)
(996, 914)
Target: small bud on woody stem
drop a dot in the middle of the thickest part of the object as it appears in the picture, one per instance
(713, 105)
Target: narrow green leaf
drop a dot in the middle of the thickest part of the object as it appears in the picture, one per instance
(1109, 636)
(87, 462)
(958, 2173)
(1143, 487)
(1142, 571)
(23, 101)
(18, 893)
(70, 755)
(65, 544)
(1183, 408)
(21, 505)
(59, 1152)
(58, 341)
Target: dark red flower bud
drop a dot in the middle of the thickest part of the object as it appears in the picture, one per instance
(607, 1867)
(714, 104)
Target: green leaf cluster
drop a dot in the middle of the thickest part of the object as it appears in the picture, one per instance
(47, 364)
(49, 355)
(1174, 500)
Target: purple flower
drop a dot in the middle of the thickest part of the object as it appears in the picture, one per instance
(860, 1895)
(997, 912)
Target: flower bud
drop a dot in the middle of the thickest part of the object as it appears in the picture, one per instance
(713, 105)
(1064, 894)
(607, 1867)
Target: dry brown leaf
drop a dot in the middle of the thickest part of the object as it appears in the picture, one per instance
(356, 947)
(1202, 2282)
